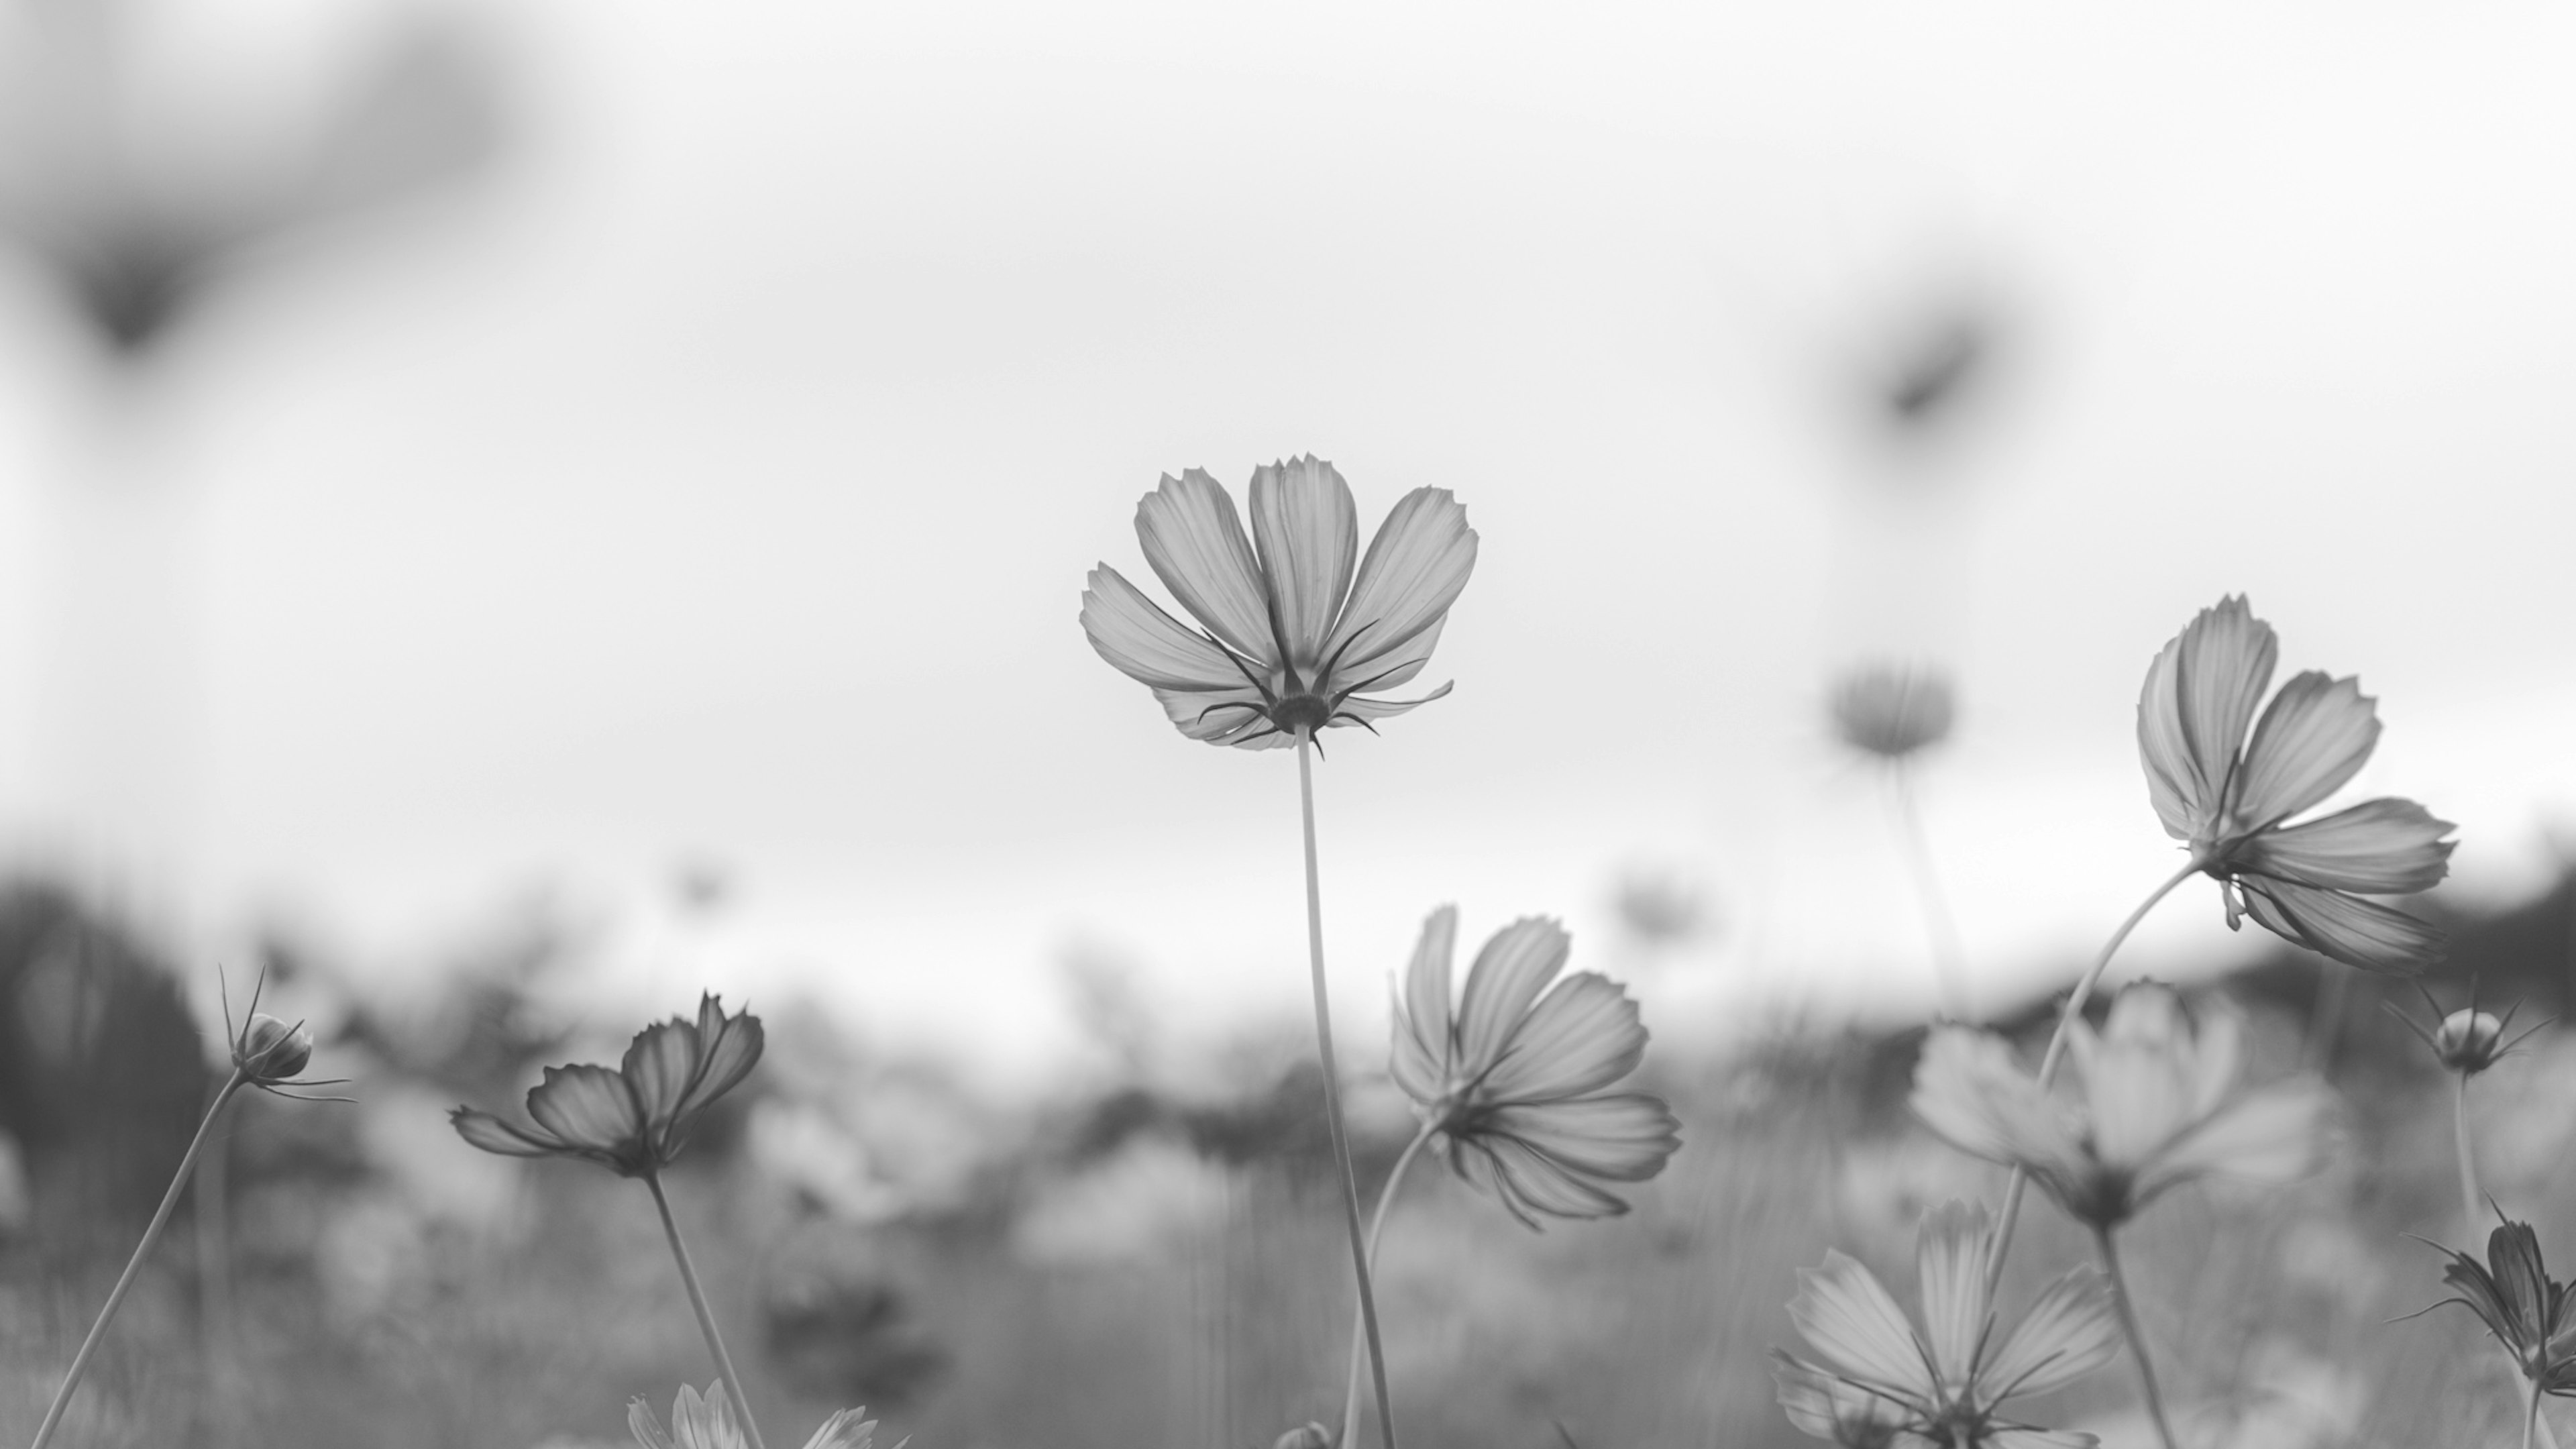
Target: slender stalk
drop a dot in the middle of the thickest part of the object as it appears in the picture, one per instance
(2325, 1016)
(2050, 1059)
(1333, 1090)
(134, 1265)
(1377, 1229)
(2468, 1164)
(706, 1319)
(2531, 1417)
(1949, 959)
(2137, 1339)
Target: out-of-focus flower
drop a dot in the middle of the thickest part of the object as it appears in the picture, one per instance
(1290, 640)
(2530, 1313)
(1514, 1081)
(1881, 1382)
(2466, 1041)
(709, 1423)
(2155, 1105)
(634, 1120)
(1309, 1435)
(2227, 796)
(1892, 712)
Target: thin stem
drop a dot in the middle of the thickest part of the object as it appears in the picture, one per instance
(1377, 1229)
(1333, 1091)
(1949, 959)
(134, 1265)
(706, 1320)
(2325, 1016)
(2137, 1340)
(2049, 1060)
(2531, 1417)
(2468, 1164)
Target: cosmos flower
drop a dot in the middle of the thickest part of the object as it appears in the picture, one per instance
(1881, 1383)
(1290, 639)
(2466, 1041)
(267, 1053)
(2530, 1313)
(709, 1423)
(1890, 712)
(1514, 1081)
(634, 1120)
(2227, 796)
(2155, 1105)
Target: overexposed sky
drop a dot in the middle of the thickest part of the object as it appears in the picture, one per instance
(716, 477)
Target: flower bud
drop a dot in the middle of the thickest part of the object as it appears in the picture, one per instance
(1309, 1435)
(2469, 1040)
(271, 1051)
(1892, 713)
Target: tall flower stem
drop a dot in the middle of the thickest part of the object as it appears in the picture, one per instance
(2051, 1058)
(2531, 1416)
(2468, 1164)
(706, 1319)
(1949, 959)
(134, 1265)
(1377, 1229)
(2137, 1340)
(1333, 1090)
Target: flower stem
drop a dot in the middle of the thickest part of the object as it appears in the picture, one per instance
(706, 1319)
(2137, 1339)
(2531, 1417)
(1949, 959)
(2468, 1164)
(1333, 1091)
(2050, 1059)
(134, 1265)
(1377, 1228)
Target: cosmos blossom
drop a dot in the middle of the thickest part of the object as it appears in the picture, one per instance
(1879, 1382)
(2229, 797)
(2532, 1315)
(633, 1120)
(1291, 639)
(708, 1422)
(1515, 1077)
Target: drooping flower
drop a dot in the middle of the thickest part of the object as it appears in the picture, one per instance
(1515, 1082)
(1892, 712)
(709, 1422)
(634, 1120)
(2530, 1313)
(2227, 797)
(2155, 1104)
(1881, 1382)
(1290, 638)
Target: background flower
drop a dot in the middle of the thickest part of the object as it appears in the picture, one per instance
(634, 1120)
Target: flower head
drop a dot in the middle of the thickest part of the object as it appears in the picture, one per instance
(709, 1423)
(1892, 713)
(2530, 1313)
(2155, 1105)
(1290, 639)
(1880, 1381)
(1515, 1081)
(267, 1052)
(2227, 797)
(634, 1120)
(2466, 1041)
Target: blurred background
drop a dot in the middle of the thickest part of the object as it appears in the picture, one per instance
(513, 514)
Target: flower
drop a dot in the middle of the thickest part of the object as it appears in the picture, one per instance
(2467, 1041)
(636, 1119)
(1290, 640)
(2156, 1107)
(1309, 1435)
(1891, 712)
(267, 1052)
(709, 1423)
(1883, 1383)
(2530, 1313)
(1513, 1080)
(2227, 797)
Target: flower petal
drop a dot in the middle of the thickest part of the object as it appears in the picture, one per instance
(2069, 1332)
(1968, 1090)
(1829, 1408)
(1370, 711)
(1195, 542)
(1146, 644)
(660, 1067)
(2347, 928)
(1413, 572)
(2028, 1438)
(1509, 973)
(2143, 1077)
(2316, 734)
(1950, 1259)
(1528, 1183)
(2275, 1134)
(844, 1430)
(1306, 533)
(586, 1106)
(646, 1429)
(708, 1422)
(1420, 1060)
(729, 1047)
(2199, 697)
(1580, 1037)
(494, 1135)
(1857, 1328)
(1220, 717)
(2378, 847)
(1620, 1137)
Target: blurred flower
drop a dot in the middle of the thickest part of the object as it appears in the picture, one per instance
(709, 1423)
(1513, 1080)
(2466, 1041)
(1290, 642)
(1309, 1435)
(2157, 1107)
(2530, 1313)
(1892, 712)
(636, 1119)
(1885, 1383)
(2227, 797)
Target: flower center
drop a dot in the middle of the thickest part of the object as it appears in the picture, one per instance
(1308, 712)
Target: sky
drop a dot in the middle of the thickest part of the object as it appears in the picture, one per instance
(713, 476)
